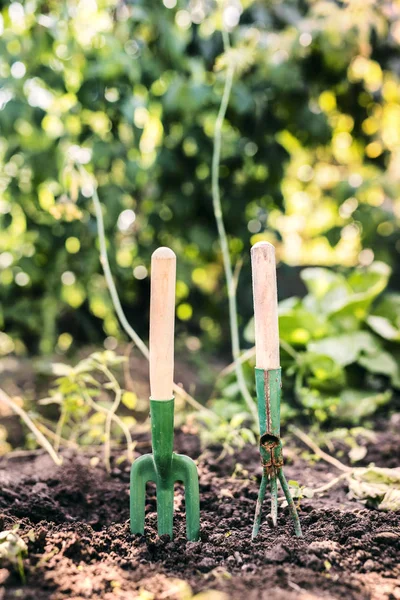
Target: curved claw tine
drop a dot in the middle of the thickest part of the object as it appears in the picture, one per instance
(274, 499)
(142, 471)
(184, 469)
(260, 499)
(292, 507)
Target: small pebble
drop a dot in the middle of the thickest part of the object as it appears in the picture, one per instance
(369, 565)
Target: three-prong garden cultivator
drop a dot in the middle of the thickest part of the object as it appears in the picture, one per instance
(268, 383)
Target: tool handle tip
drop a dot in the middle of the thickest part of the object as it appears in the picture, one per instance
(162, 253)
(264, 245)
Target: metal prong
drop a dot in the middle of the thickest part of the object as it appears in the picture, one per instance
(274, 499)
(142, 471)
(292, 507)
(184, 469)
(260, 499)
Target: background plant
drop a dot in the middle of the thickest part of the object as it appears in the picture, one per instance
(309, 160)
(13, 550)
(86, 412)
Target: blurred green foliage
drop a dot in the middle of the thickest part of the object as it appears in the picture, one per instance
(310, 157)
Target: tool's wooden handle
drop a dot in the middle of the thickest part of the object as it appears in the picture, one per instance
(265, 305)
(162, 321)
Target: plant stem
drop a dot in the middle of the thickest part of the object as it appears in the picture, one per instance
(216, 198)
(129, 384)
(109, 278)
(99, 408)
(244, 357)
(327, 457)
(330, 484)
(68, 443)
(59, 428)
(42, 441)
(288, 349)
(110, 414)
(190, 400)
(107, 442)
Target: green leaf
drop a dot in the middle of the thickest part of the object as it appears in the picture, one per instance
(298, 326)
(237, 420)
(320, 282)
(371, 281)
(249, 334)
(385, 319)
(61, 369)
(357, 404)
(345, 349)
(366, 285)
(326, 373)
(357, 453)
(382, 362)
(345, 302)
(12, 545)
(383, 327)
(129, 421)
(307, 492)
(231, 390)
(129, 399)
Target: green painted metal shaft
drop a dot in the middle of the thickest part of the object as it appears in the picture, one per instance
(268, 388)
(162, 434)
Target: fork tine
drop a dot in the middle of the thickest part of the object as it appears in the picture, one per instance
(185, 470)
(142, 471)
(274, 499)
(260, 499)
(165, 507)
(163, 466)
(291, 504)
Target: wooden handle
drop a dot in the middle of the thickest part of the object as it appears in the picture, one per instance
(265, 305)
(162, 322)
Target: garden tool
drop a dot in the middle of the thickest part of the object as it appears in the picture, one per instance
(268, 383)
(163, 466)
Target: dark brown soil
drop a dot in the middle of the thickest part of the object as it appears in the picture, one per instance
(75, 520)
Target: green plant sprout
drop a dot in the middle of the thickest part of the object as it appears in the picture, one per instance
(86, 412)
(13, 549)
(232, 434)
(298, 492)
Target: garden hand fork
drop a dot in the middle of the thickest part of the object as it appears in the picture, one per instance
(164, 467)
(268, 382)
